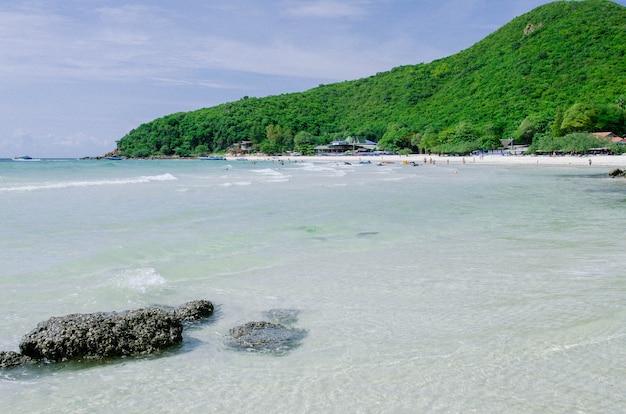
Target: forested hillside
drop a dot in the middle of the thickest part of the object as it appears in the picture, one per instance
(557, 70)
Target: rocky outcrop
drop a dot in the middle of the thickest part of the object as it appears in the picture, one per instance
(266, 336)
(103, 335)
(531, 28)
(616, 172)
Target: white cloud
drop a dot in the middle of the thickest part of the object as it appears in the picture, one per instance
(140, 42)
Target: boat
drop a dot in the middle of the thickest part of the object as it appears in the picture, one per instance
(212, 158)
(25, 158)
(114, 158)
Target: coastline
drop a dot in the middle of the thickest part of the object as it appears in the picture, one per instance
(561, 160)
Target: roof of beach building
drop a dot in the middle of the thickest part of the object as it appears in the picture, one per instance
(356, 142)
(605, 134)
(609, 137)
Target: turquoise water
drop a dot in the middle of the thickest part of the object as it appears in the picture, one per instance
(447, 288)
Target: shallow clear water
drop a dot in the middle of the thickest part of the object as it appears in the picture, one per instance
(447, 288)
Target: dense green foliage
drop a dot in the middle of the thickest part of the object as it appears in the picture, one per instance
(556, 70)
(574, 143)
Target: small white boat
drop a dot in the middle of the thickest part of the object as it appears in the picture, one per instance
(25, 158)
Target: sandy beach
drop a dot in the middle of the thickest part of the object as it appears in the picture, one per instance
(606, 160)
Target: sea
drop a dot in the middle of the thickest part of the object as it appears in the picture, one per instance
(445, 288)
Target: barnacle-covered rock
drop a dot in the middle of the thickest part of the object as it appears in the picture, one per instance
(265, 336)
(101, 335)
(194, 311)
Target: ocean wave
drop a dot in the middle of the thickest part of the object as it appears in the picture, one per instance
(335, 170)
(68, 184)
(141, 279)
(272, 175)
(238, 183)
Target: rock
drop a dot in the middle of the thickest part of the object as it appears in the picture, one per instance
(9, 359)
(101, 335)
(194, 311)
(616, 172)
(531, 28)
(367, 233)
(265, 336)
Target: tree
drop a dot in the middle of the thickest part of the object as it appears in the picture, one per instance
(303, 137)
(532, 125)
(465, 131)
(270, 148)
(580, 117)
(256, 133)
(491, 134)
(610, 118)
(287, 138)
(396, 138)
(555, 127)
(430, 140)
(274, 133)
(416, 140)
(527, 129)
(202, 149)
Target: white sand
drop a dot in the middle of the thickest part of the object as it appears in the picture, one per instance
(603, 160)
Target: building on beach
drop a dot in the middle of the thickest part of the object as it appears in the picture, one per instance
(347, 145)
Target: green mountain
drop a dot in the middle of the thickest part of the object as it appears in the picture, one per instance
(558, 69)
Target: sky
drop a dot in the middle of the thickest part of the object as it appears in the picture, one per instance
(77, 75)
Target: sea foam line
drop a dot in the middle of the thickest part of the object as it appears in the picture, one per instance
(272, 175)
(68, 184)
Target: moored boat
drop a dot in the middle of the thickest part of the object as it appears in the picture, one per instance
(212, 158)
(25, 158)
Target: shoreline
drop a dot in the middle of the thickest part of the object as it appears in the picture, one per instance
(560, 160)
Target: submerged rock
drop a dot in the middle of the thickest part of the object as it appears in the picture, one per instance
(367, 233)
(282, 316)
(265, 336)
(103, 335)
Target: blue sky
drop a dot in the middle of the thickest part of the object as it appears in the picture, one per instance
(77, 75)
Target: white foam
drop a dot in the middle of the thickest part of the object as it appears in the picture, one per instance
(69, 184)
(141, 279)
(336, 170)
(239, 183)
(272, 175)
